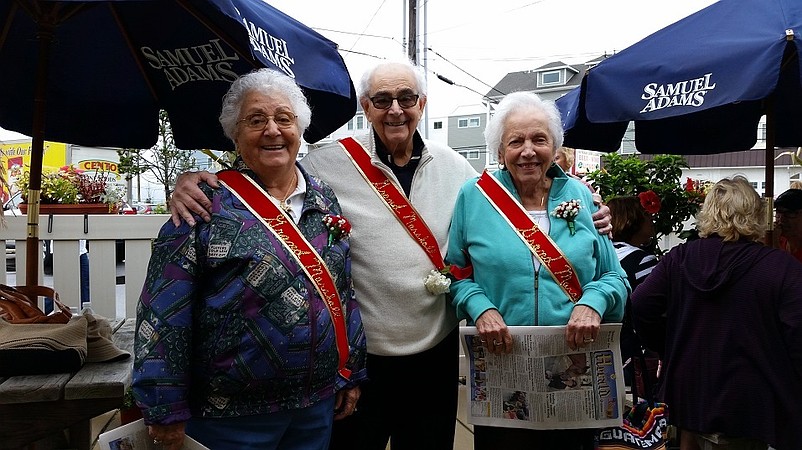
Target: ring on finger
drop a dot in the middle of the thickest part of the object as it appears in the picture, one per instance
(588, 339)
(495, 342)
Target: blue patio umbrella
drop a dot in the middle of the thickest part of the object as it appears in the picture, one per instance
(699, 85)
(97, 73)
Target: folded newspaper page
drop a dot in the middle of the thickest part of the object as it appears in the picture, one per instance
(543, 384)
(134, 436)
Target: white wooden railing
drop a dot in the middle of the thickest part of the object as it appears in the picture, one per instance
(101, 231)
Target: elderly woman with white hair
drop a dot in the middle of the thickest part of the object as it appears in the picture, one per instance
(500, 220)
(248, 333)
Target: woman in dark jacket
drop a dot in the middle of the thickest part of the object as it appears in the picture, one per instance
(725, 312)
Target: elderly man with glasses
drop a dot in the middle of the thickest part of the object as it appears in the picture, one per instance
(398, 192)
(788, 207)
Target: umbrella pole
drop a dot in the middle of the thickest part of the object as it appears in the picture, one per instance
(33, 250)
(769, 191)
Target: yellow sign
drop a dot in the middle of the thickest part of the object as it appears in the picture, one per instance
(14, 158)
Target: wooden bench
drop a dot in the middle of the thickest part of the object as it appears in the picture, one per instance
(35, 407)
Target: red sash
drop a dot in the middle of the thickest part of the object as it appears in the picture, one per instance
(255, 199)
(539, 243)
(399, 205)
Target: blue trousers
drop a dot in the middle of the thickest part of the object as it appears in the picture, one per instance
(299, 429)
(84, 261)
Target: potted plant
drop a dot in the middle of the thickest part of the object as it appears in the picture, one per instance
(658, 183)
(129, 412)
(72, 191)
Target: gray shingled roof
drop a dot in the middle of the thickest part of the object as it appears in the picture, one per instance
(527, 80)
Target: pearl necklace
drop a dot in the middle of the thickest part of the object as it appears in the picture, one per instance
(284, 203)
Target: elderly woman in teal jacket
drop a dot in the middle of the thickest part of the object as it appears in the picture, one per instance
(502, 222)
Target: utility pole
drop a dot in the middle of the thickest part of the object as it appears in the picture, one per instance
(412, 44)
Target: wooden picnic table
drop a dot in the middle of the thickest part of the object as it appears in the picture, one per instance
(37, 406)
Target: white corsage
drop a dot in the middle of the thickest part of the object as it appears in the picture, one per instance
(437, 283)
(568, 211)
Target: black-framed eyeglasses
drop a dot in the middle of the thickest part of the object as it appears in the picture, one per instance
(385, 101)
(258, 121)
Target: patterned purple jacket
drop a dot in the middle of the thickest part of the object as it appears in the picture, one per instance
(229, 325)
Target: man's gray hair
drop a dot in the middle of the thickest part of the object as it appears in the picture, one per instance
(364, 83)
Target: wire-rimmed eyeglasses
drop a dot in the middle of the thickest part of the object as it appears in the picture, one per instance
(385, 101)
(258, 121)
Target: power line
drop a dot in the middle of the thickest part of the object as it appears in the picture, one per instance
(449, 81)
(465, 72)
(369, 22)
(361, 35)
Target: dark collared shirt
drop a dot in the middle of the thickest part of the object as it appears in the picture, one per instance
(406, 172)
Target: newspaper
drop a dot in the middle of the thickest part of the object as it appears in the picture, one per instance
(134, 436)
(543, 384)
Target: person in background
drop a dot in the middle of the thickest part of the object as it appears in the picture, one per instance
(788, 218)
(565, 158)
(510, 285)
(633, 233)
(407, 325)
(248, 333)
(725, 313)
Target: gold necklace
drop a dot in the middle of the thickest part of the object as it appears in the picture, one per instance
(283, 203)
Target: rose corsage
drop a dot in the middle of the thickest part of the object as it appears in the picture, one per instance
(337, 226)
(568, 210)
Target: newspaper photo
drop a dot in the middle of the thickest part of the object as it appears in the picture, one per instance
(134, 436)
(543, 384)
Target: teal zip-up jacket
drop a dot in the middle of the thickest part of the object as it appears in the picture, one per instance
(504, 274)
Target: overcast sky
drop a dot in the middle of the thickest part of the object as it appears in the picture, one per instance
(476, 42)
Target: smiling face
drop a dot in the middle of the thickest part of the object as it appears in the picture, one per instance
(395, 126)
(527, 148)
(272, 151)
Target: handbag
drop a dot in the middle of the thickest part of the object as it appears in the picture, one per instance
(34, 343)
(19, 305)
(644, 424)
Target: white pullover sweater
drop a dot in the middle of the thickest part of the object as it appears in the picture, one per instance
(388, 267)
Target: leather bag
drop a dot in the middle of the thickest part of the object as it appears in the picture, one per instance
(19, 305)
(32, 342)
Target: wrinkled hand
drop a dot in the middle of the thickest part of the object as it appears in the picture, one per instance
(494, 332)
(168, 437)
(188, 197)
(345, 402)
(583, 327)
(602, 220)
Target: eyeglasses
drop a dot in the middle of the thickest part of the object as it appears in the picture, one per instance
(258, 121)
(384, 101)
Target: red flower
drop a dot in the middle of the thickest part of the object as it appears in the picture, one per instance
(337, 226)
(650, 201)
(690, 186)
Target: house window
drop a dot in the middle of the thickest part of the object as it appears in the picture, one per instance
(552, 77)
(473, 154)
(360, 122)
(468, 122)
(438, 125)
(351, 124)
